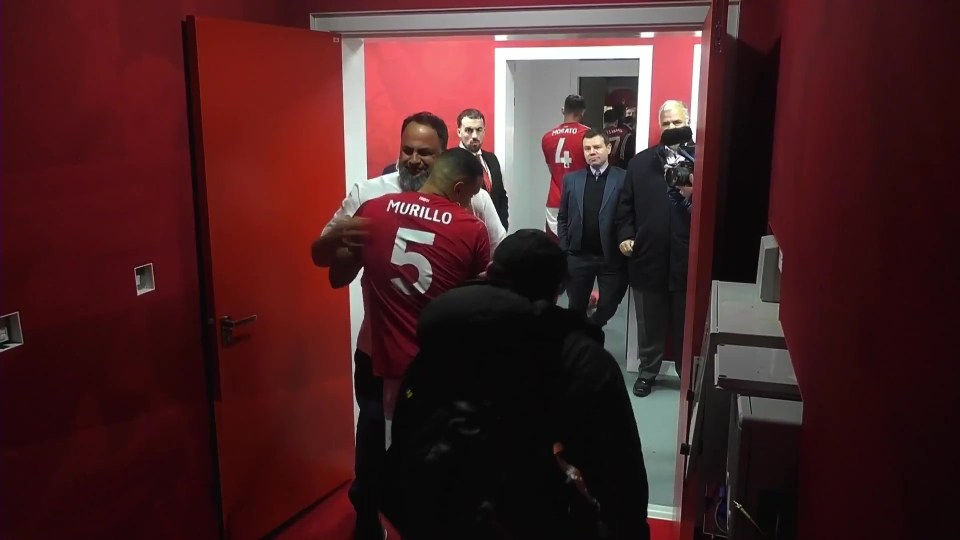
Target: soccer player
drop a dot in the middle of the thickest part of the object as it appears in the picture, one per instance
(563, 152)
(423, 137)
(420, 245)
(622, 143)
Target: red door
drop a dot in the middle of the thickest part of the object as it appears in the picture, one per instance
(267, 115)
(714, 49)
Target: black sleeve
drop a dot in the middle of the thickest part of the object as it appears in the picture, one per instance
(624, 221)
(628, 150)
(499, 194)
(612, 462)
(562, 213)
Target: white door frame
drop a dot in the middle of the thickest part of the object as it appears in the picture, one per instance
(599, 19)
(503, 131)
(556, 20)
(502, 81)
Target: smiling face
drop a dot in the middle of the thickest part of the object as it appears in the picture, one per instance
(419, 147)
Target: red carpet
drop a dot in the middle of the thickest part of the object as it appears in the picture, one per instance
(332, 519)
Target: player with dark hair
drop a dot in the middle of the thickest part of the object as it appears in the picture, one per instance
(420, 245)
(563, 153)
(622, 142)
(422, 139)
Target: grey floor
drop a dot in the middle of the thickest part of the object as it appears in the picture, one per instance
(656, 414)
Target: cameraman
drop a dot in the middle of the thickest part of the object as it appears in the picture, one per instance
(653, 228)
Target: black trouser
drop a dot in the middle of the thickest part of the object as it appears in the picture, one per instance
(611, 278)
(659, 313)
(370, 448)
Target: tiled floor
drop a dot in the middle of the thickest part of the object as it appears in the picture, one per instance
(657, 414)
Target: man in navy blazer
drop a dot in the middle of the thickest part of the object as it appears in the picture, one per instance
(585, 226)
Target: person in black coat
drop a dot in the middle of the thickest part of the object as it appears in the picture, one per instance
(653, 223)
(449, 474)
(471, 128)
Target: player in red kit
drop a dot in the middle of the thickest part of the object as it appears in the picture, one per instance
(420, 244)
(622, 144)
(563, 152)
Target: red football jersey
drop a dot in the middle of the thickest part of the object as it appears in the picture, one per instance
(619, 137)
(563, 152)
(419, 247)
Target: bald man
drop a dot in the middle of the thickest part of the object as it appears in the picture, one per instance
(420, 245)
(653, 224)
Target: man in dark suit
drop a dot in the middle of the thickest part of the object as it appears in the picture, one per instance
(472, 131)
(587, 232)
(653, 222)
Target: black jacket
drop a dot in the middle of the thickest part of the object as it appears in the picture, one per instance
(498, 193)
(483, 340)
(659, 227)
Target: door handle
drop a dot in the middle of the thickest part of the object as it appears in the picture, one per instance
(227, 325)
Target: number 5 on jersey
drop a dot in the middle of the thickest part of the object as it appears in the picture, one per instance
(402, 257)
(563, 156)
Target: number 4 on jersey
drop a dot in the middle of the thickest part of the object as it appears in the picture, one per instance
(402, 257)
(563, 156)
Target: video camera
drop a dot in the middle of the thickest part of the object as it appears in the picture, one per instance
(679, 160)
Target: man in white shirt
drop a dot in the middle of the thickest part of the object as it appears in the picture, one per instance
(423, 137)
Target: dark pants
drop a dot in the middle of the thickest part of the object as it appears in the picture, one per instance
(370, 448)
(658, 314)
(612, 281)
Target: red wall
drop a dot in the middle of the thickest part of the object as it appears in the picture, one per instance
(869, 299)
(104, 423)
(447, 75)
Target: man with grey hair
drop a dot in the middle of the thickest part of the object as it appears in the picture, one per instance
(653, 223)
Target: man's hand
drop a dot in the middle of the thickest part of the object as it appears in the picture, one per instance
(687, 191)
(626, 247)
(346, 232)
(352, 231)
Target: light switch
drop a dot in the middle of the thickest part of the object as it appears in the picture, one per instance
(143, 276)
(11, 335)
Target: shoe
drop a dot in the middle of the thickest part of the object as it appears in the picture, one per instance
(642, 388)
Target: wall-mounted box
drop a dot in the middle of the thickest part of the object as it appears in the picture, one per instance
(768, 269)
(11, 333)
(144, 279)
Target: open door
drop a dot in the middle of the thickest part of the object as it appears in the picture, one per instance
(709, 138)
(266, 110)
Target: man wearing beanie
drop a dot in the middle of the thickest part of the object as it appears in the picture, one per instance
(507, 435)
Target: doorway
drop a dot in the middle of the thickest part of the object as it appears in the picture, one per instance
(369, 90)
(530, 86)
(528, 82)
